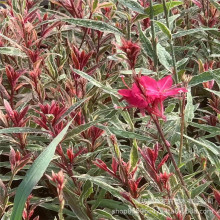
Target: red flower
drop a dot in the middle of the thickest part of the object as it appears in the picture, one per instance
(134, 97)
(149, 94)
(161, 89)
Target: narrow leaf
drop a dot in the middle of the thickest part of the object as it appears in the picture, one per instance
(18, 130)
(157, 9)
(200, 189)
(134, 155)
(204, 77)
(146, 43)
(96, 83)
(72, 108)
(165, 29)
(191, 31)
(96, 25)
(12, 51)
(133, 5)
(34, 174)
(164, 57)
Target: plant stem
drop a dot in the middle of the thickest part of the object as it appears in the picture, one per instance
(85, 33)
(60, 214)
(153, 38)
(171, 43)
(128, 29)
(6, 199)
(195, 210)
(182, 128)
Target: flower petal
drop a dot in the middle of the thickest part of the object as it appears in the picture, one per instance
(165, 83)
(149, 83)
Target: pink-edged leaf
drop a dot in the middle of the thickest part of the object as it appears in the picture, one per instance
(9, 110)
(114, 165)
(162, 162)
(12, 158)
(198, 3)
(23, 113)
(217, 195)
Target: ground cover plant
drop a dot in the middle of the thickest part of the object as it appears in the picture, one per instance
(109, 109)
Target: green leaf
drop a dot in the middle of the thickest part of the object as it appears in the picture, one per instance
(133, 5)
(214, 159)
(125, 134)
(96, 25)
(96, 83)
(20, 130)
(150, 212)
(182, 62)
(54, 207)
(15, 5)
(200, 189)
(191, 31)
(105, 214)
(34, 174)
(157, 9)
(164, 28)
(11, 41)
(51, 64)
(86, 191)
(216, 75)
(214, 92)
(73, 202)
(12, 51)
(204, 143)
(216, 4)
(203, 77)
(211, 129)
(100, 181)
(81, 128)
(134, 154)
(146, 43)
(95, 4)
(72, 108)
(170, 108)
(124, 113)
(111, 204)
(190, 108)
(164, 57)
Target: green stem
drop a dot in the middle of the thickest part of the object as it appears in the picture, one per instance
(60, 214)
(171, 42)
(7, 196)
(182, 128)
(129, 29)
(153, 38)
